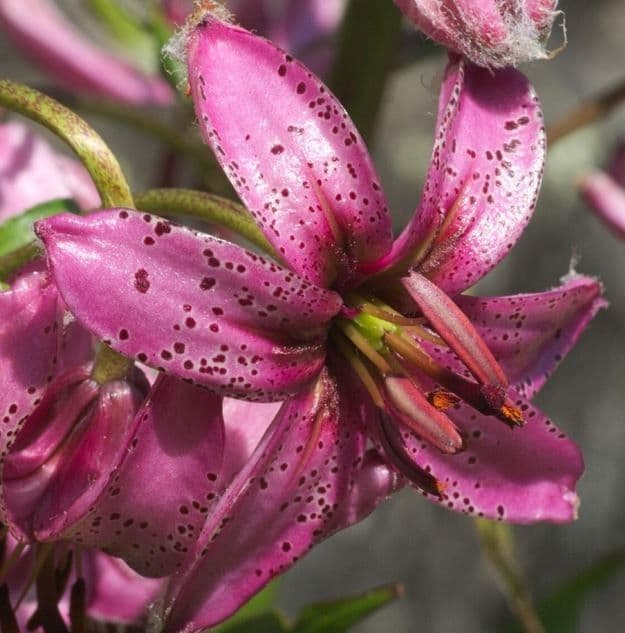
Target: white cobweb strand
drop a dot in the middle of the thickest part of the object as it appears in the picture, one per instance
(176, 47)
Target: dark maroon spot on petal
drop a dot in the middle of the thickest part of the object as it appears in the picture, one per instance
(301, 88)
(190, 322)
(148, 240)
(123, 335)
(141, 280)
(282, 70)
(277, 149)
(179, 348)
(207, 283)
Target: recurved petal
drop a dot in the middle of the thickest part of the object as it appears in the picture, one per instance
(307, 479)
(483, 180)
(530, 334)
(28, 344)
(523, 475)
(157, 497)
(115, 592)
(73, 60)
(192, 304)
(606, 197)
(290, 150)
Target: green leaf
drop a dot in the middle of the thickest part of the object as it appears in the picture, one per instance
(17, 232)
(337, 616)
(258, 611)
(270, 622)
(560, 612)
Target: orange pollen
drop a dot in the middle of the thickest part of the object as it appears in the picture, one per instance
(443, 399)
(512, 414)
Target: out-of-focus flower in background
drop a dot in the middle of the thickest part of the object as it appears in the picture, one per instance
(491, 33)
(72, 60)
(604, 191)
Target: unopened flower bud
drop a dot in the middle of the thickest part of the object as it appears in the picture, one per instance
(491, 33)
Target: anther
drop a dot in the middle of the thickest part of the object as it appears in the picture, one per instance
(455, 328)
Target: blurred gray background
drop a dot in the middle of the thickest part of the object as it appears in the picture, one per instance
(432, 552)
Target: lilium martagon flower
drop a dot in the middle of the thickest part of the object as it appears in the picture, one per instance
(87, 457)
(40, 29)
(387, 374)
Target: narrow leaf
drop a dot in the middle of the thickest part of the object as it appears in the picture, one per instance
(560, 612)
(17, 232)
(336, 616)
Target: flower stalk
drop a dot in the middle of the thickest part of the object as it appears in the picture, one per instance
(497, 543)
(88, 145)
(590, 111)
(207, 207)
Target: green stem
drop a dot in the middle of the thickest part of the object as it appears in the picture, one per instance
(594, 109)
(497, 542)
(86, 142)
(367, 47)
(204, 206)
(152, 125)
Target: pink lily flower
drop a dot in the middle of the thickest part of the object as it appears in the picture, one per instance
(604, 191)
(113, 592)
(491, 33)
(72, 60)
(31, 172)
(366, 338)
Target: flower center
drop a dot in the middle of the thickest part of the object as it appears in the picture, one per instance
(399, 360)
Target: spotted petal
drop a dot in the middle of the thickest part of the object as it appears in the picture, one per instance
(28, 344)
(522, 476)
(195, 305)
(484, 177)
(156, 499)
(73, 60)
(529, 334)
(309, 477)
(291, 152)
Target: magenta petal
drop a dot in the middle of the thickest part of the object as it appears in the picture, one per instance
(483, 180)
(73, 60)
(530, 334)
(115, 592)
(306, 480)
(28, 344)
(607, 198)
(156, 499)
(522, 476)
(291, 152)
(197, 306)
(32, 173)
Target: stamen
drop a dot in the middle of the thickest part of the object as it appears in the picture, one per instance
(43, 552)
(360, 369)
(442, 399)
(487, 399)
(392, 446)
(11, 560)
(354, 335)
(413, 409)
(78, 606)
(455, 328)
(8, 621)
